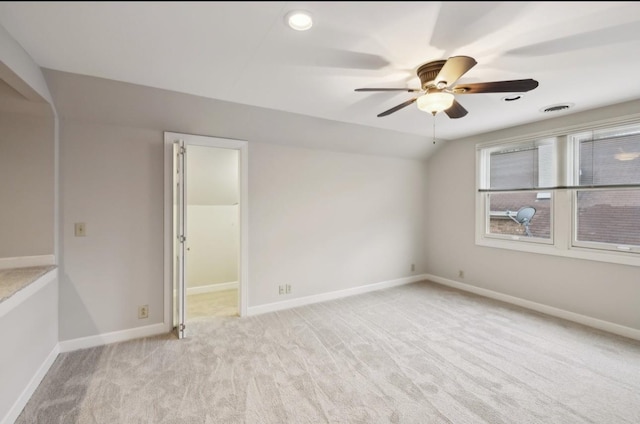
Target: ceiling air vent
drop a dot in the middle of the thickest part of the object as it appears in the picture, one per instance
(556, 108)
(512, 98)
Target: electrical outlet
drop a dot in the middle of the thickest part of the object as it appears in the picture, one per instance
(284, 289)
(461, 274)
(80, 229)
(143, 311)
(413, 267)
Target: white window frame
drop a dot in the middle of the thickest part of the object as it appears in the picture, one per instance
(574, 140)
(580, 244)
(484, 179)
(563, 208)
(517, 238)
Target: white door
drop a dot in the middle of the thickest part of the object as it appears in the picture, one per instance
(179, 237)
(176, 145)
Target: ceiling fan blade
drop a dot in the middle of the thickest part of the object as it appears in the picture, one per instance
(397, 108)
(514, 86)
(456, 110)
(410, 90)
(454, 68)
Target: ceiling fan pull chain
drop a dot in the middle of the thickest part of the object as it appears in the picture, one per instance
(434, 128)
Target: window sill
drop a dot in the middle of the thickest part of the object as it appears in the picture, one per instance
(622, 258)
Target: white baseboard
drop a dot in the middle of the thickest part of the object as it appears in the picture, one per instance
(212, 288)
(113, 337)
(610, 327)
(307, 300)
(28, 391)
(24, 261)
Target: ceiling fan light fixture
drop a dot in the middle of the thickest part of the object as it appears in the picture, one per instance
(435, 102)
(300, 20)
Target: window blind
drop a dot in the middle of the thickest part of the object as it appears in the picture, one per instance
(610, 161)
(522, 168)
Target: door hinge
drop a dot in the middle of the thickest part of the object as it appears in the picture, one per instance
(181, 327)
(182, 239)
(182, 149)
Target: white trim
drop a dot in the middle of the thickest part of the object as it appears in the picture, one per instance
(212, 288)
(563, 223)
(20, 296)
(25, 261)
(57, 224)
(21, 402)
(322, 297)
(113, 337)
(560, 249)
(610, 327)
(168, 242)
(243, 271)
(243, 267)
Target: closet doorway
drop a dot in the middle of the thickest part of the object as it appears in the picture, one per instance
(207, 228)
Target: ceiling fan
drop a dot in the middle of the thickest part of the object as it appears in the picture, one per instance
(438, 80)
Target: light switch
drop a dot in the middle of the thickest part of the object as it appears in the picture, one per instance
(80, 229)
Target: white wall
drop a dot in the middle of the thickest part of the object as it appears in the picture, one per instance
(20, 71)
(29, 342)
(599, 290)
(212, 242)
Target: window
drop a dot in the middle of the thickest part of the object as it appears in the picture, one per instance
(574, 194)
(515, 208)
(607, 204)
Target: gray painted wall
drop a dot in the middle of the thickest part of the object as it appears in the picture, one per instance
(112, 126)
(318, 220)
(600, 290)
(26, 185)
(27, 195)
(27, 155)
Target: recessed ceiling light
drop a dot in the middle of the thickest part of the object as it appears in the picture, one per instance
(300, 20)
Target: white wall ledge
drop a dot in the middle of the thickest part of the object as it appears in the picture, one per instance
(27, 287)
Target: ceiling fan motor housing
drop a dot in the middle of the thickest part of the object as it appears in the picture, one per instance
(428, 73)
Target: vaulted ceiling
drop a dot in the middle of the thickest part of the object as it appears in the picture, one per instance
(583, 54)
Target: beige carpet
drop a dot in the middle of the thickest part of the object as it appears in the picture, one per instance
(222, 303)
(12, 280)
(419, 353)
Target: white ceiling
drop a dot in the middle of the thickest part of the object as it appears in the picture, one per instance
(584, 53)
